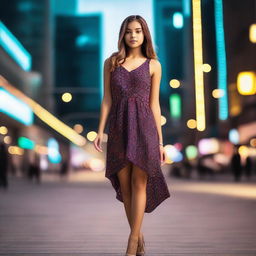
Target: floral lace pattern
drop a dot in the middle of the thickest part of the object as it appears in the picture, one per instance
(132, 134)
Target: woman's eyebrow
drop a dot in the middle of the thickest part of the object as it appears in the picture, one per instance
(131, 29)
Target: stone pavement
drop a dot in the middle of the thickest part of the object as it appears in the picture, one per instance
(72, 218)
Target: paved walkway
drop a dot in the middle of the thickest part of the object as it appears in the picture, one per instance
(84, 218)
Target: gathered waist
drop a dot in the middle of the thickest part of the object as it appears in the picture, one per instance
(127, 99)
(121, 103)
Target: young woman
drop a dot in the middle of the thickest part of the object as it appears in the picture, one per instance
(135, 150)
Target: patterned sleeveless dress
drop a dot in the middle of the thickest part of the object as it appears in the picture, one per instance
(132, 134)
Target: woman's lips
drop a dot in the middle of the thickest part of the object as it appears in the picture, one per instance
(133, 41)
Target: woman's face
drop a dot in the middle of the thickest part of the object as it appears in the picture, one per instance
(134, 36)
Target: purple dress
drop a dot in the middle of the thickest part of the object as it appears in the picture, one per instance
(132, 134)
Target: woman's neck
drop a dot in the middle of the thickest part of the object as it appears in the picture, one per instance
(135, 53)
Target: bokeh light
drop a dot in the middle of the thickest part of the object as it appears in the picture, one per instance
(207, 68)
(208, 146)
(91, 135)
(14, 150)
(173, 153)
(178, 145)
(3, 130)
(253, 142)
(174, 83)
(78, 128)
(233, 136)
(191, 152)
(177, 20)
(7, 139)
(252, 33)
(163, 120)
(246, 83)
(191, 123)
(243, 151)
(66, 97)
(218, 93)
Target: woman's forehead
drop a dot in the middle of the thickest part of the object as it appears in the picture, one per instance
(134, 25)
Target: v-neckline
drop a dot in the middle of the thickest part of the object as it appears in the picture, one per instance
(135, 68)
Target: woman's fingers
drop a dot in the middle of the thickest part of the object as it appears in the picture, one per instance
(99, 145)
(96, 144)
(163, 157)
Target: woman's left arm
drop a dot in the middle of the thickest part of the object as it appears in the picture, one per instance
(154, 95)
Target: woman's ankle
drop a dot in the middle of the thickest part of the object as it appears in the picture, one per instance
(133, 235)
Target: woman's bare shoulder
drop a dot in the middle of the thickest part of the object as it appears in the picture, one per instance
(155, 62)
(155, 65)
(107, 63)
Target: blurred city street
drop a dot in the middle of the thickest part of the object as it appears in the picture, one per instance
(88, 84)
(80, 216)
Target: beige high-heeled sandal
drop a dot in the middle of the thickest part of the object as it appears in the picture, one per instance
(141, 247)
(132, 240)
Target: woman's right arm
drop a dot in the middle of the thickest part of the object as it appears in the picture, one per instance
(105, 106)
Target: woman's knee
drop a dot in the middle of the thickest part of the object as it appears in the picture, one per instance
(124, 177)
(139, 178)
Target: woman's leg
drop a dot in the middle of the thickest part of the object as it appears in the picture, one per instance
(124, 177)
(133, 187)
(138, 202)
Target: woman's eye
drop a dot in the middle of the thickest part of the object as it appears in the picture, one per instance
(138, 31)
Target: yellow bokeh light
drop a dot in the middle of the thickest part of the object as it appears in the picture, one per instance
(58, 125)
(91, 135)
(163, 120)
(7, 139)
(253, 142)
(174, 83)
(41, 149)
(252, 33)
(246, 83)
(207, 67)
(235, 110)
(191, 123)
(198, 62)
(14, 150)
(78, 128)
(168, 161)
(217, 93)
(66, 97)
(243, 151)
(3, 130)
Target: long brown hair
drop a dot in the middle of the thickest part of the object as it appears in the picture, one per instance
(146, 47)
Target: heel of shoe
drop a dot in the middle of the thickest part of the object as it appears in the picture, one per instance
(141, 248)
(132, 240)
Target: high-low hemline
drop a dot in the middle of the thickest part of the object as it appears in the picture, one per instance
(116, 185)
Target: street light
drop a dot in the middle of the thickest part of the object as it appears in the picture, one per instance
(246, 83)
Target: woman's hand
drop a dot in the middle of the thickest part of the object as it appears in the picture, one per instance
(162, 155)
(98, 142)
